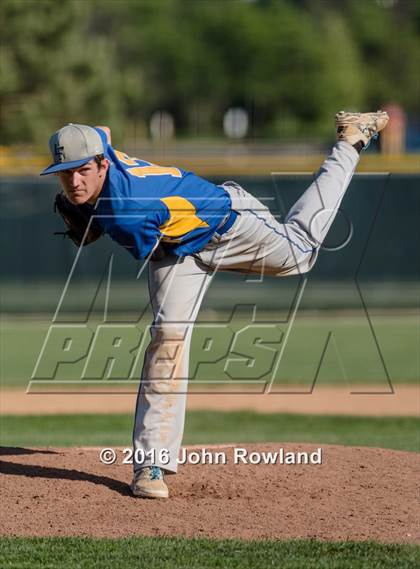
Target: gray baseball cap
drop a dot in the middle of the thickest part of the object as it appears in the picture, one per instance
(72, 146)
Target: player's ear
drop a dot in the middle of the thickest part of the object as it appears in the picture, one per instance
(104, 166)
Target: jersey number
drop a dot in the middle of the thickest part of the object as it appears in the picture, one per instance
(182, 213)
(148, 169)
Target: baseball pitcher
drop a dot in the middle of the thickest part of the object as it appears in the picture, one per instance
(188, 228)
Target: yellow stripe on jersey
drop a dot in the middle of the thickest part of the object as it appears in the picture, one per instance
(182, 217)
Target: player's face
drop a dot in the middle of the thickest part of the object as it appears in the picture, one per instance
(84, 184)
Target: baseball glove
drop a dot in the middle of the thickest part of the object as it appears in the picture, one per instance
(78, 219)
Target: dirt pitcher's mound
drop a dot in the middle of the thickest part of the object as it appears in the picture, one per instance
(355, 494)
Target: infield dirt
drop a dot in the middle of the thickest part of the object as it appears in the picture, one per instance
(355, 494)
(360, 400)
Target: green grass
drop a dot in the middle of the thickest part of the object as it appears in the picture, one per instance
(171, 553)
(332, 347)
(205, 427)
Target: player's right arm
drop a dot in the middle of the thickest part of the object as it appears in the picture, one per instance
(107, 132)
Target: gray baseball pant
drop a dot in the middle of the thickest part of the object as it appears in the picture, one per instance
(256, 243)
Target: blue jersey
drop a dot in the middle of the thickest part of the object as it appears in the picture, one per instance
(142, 204)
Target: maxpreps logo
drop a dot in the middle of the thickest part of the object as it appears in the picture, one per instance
(245, 346)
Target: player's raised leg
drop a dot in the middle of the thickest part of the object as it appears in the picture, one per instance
(177, 286)
(258, 243)
(313, 214)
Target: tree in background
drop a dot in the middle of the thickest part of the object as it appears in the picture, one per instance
(386, 37)
(195, 60)
(52, 70)
(290, 63)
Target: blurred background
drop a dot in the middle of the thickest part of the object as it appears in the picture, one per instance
(233, 89)
(265, 71)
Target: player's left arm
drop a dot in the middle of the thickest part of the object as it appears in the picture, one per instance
(81, 229)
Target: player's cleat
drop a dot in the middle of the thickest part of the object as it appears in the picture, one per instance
(360, 127)
(149, 483)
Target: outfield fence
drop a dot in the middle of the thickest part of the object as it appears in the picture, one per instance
(371, 254)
